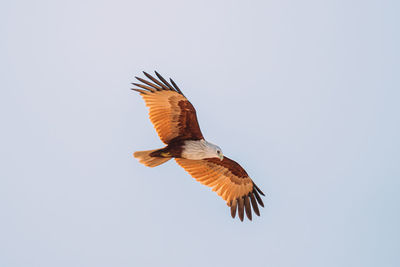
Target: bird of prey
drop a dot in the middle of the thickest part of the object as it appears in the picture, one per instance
(175, 121)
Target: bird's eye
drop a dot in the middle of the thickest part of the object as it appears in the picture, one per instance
(218, 152)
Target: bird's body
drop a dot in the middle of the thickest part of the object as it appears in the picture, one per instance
(176, 123)
(191, 149)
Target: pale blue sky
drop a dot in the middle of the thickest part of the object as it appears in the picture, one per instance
(303, 94)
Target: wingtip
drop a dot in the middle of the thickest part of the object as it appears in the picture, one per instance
(259, 190)
(176, 87)
(254, 204)
(140, 91)
(233, 205)
(169, 87)
(247, 207)
(258, 198)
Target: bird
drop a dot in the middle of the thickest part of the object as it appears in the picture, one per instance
(175, 121)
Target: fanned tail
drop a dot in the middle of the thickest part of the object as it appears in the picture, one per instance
(146, 159)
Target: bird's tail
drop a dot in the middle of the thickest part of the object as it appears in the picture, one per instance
(149, 159)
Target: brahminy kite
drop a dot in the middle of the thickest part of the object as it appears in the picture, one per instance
(175, 121)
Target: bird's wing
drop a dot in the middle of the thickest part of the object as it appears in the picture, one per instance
(229, 180)
(172, 115)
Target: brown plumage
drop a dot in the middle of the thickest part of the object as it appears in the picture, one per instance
(175, 121)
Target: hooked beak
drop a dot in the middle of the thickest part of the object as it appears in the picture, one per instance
(221, 157)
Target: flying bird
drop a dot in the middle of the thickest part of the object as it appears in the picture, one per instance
(175, 121)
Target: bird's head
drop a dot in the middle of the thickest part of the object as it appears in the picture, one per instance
(214, 151)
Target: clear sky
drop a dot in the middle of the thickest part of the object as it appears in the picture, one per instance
(303, 94)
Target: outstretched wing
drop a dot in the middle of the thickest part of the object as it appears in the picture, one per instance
(172, 115)
(229, 180)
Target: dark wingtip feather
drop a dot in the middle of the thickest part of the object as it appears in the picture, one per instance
(241, 208)
(247, 207)
(140, 91)
(164, 81)
(176, 86)
(258, 189)
(233, 208)
(163, 86)
(258, 198)
(153, 86)
(254, 204)
(148, 88)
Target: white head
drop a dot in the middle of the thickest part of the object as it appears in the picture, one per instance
(201, 149)
(214, 151)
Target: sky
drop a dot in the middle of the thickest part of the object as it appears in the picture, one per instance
(303, 94)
